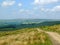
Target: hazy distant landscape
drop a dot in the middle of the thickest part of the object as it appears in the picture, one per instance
(27, 23)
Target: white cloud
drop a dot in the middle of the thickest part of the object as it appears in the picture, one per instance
(42, 9)
(25, 12)
(56, 8)
(20, 4)
(35, 8)
(44, 1)
(21, 10)
(7, 3)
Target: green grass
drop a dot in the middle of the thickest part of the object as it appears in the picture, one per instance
(27, 36)
(54, 28)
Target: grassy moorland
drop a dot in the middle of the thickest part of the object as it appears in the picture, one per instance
(53, 28)
(27, 36)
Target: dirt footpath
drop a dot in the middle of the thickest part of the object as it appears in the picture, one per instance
(55, 37)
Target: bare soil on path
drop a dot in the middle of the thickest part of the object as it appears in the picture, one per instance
(55, 37)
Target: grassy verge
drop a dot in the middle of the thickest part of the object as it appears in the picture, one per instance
(54, 28)
(28, 36)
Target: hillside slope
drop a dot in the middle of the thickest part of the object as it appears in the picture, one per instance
(28, 36)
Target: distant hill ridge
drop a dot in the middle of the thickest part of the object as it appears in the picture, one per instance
(27, 23)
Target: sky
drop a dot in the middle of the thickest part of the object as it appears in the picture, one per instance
(29, 9)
